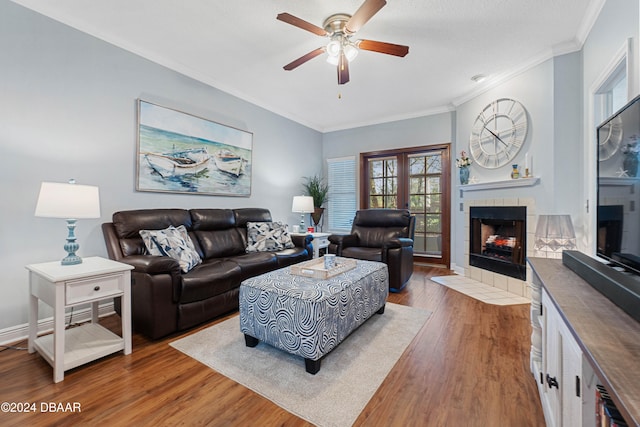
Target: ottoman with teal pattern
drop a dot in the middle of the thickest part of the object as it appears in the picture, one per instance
(309, 317)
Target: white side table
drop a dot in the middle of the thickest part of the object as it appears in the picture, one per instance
(320, 241)
(63, 286)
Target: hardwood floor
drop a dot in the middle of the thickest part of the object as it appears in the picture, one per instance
(468, 366)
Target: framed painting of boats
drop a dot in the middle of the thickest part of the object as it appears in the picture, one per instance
(178, 152)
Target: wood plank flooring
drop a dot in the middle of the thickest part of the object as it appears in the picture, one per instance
(468, 366)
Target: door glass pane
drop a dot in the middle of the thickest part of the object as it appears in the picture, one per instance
(383, 182)
(376, 202)
(432, 204)
(417, 203)
(377, 186)
(391, 202)
(376, 168)
(425, 191)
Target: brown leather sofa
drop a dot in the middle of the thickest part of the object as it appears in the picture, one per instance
(164, 299)
(384, 235)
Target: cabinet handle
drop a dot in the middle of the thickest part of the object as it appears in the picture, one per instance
(552, 381)
(97, 288)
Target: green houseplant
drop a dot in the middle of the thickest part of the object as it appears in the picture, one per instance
(315, 187)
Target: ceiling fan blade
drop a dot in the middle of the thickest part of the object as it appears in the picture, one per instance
(298, 62)
(301, 23)
(383, 47)
(363, 14)
(343, 69)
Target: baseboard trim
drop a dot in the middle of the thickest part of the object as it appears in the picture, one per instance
(19, 333)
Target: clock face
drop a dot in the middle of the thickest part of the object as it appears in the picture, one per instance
(609, 138)
(498, 133)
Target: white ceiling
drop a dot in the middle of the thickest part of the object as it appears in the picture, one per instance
(238, 46)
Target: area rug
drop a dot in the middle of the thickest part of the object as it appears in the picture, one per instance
(348, 377)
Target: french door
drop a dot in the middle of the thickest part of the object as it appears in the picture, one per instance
(418, 179)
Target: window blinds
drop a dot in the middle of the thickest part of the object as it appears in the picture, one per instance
(342, 193)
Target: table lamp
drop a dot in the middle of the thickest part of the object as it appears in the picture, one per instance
(303, 205)
(554, 234)
(72, 202)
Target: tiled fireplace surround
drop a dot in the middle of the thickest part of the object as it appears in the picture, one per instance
(506, 283)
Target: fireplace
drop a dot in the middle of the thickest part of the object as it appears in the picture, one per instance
(497, 239)
(609, 238)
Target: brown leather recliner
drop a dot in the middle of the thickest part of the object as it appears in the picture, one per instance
(384, 235)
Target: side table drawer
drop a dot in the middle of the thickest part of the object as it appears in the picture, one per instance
(321, 242)
(91, 289)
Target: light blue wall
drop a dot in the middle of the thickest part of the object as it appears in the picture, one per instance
(67, 110)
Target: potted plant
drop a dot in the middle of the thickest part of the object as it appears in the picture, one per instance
(315, 187)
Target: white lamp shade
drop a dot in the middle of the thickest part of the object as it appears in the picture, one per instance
(554, 234)
(58, 200)
(302, 204)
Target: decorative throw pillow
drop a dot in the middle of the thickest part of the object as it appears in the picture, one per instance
(268, 236)
(172, 242)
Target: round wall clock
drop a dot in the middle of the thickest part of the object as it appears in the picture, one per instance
(498, 133)
(609, 138)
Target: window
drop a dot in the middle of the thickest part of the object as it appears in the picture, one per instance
(342, 193)
(612, 93)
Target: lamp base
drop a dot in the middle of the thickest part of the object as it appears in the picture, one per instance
(71, 259)
(71, 246)
(303, 229)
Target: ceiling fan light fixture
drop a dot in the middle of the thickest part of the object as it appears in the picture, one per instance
(333, 48)
(333, 60)
(350, 51)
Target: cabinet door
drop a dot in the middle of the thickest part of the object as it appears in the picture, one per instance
(551, 363)
(571, 384)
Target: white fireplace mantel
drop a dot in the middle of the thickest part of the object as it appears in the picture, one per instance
(509, 183)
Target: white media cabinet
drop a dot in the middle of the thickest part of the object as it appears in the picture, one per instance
(580, 339)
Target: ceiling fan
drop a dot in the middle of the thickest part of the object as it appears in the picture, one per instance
(340, 28)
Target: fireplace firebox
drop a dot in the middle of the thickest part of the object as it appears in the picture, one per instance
(497, 240)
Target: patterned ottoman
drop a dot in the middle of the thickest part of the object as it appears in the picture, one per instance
(309, 317)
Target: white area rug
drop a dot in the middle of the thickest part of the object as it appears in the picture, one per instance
(348, 377)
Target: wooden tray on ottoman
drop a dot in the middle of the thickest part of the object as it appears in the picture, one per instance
(315, 268)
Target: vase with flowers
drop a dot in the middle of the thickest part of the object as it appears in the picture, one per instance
(463, 163)
(630, 156)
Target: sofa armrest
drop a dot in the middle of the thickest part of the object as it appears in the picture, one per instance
(345, 240)
(303, 241)
(151, 264)
(398, 242)
(342, 241)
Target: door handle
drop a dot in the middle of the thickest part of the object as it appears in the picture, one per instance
(552, 381)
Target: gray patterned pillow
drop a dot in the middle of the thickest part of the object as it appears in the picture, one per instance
(267, 236)
(172, 242)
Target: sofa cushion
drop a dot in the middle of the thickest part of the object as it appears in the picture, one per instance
(267, 237)
(361, 252)
(172, 242)
(211, 278)
(255, 263)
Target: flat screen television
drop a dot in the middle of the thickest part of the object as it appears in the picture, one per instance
(618, 209)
